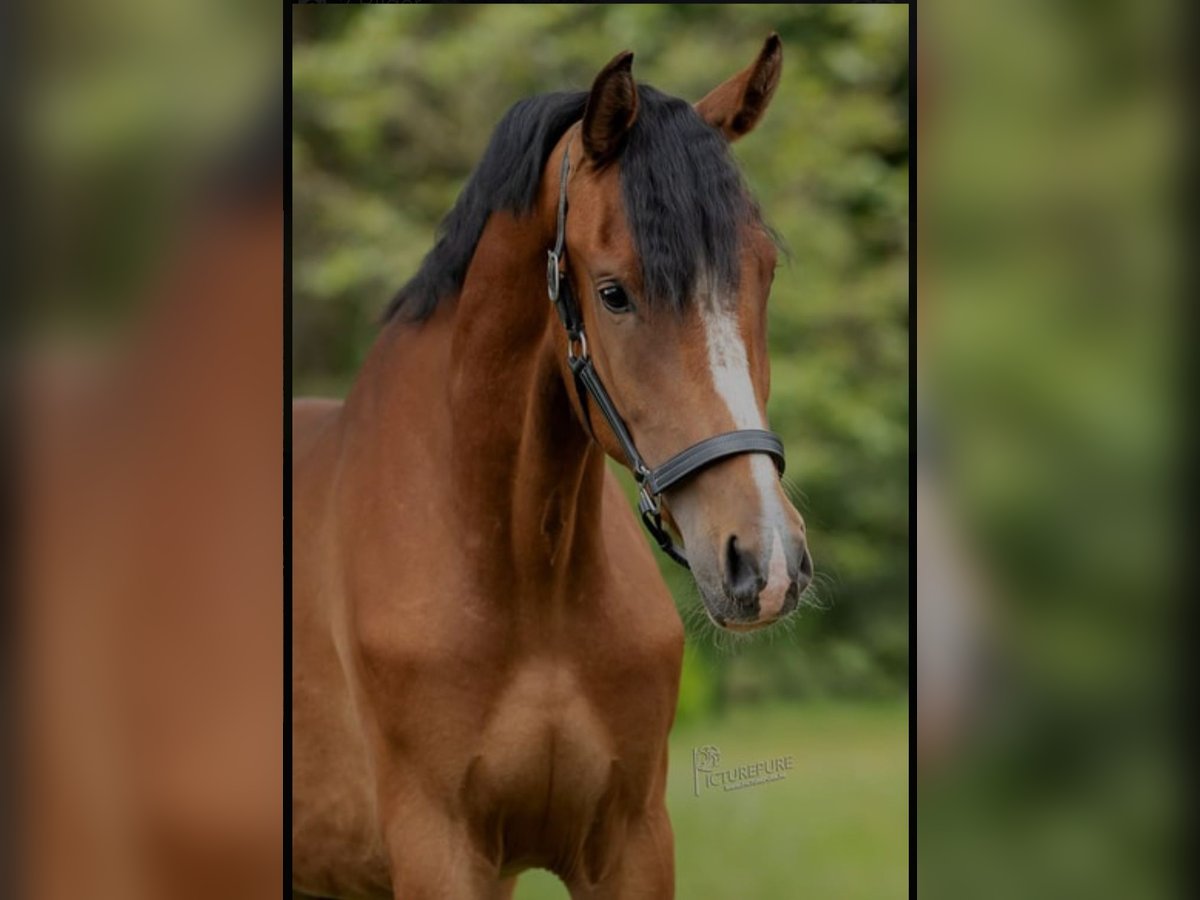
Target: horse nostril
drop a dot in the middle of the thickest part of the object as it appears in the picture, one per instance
(742, 578)
(804, 572)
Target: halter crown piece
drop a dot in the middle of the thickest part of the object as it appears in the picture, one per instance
(681, 466)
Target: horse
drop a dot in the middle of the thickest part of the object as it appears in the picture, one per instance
(486, 660)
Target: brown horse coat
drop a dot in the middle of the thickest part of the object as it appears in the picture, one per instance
(486, 661)
(453, 555)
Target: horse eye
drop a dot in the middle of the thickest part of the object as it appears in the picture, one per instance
(615, 299)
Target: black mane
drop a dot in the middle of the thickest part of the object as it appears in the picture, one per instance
(683, 195)
(684, 199)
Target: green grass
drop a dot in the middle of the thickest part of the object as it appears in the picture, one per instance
(835, 828)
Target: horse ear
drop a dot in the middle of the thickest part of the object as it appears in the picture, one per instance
(611, 108)
(736, 106)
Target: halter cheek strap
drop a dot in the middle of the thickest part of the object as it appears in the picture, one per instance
(680, 467)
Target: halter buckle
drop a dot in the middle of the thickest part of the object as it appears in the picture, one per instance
(647, 503)
(553, 274)
(580, 339)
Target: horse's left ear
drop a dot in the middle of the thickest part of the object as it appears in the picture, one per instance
(736, 106)
(611, 108)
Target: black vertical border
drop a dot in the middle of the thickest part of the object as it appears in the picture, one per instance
(286, 745)
(1185, 222)
(14, 303)
(913, 94)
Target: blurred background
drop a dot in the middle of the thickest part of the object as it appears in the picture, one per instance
(392, 107)
(1049, 421)
(144, 644)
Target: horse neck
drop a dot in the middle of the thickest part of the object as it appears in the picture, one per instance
(525, 481)
(521, 452)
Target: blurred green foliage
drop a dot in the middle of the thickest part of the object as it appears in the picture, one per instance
(1051, 343)
(393, 106)
(122, 141)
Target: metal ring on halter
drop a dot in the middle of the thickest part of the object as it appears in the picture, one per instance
(572, 340)
(553, 273)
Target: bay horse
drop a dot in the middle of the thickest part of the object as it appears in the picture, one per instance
(486, 659)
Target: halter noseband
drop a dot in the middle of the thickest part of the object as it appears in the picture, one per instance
(681, 466)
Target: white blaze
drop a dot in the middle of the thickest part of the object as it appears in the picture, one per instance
(730, 368)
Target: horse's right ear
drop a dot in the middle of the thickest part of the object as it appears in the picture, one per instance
(611, 109)
(735, 107)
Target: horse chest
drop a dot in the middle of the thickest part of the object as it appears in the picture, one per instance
(543, 738)
(540, 727)
(549, 766)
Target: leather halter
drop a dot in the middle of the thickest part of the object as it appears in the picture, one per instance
(684, 464)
